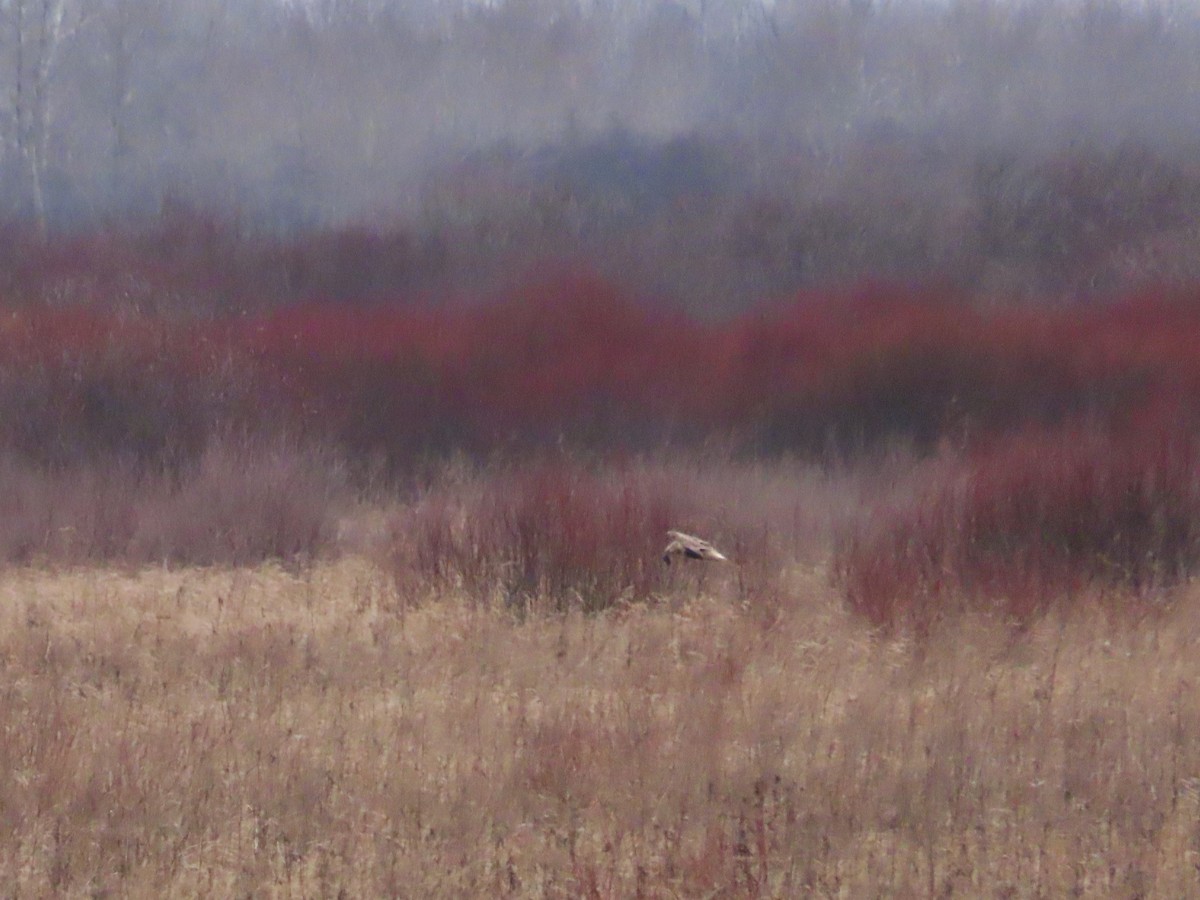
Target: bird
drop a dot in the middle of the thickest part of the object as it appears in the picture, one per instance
(690, 547)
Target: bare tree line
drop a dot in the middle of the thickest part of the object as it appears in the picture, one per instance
(294, 115)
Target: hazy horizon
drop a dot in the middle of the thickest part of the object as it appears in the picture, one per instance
(782, 135)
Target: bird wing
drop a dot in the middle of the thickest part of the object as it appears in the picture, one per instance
(692, 547)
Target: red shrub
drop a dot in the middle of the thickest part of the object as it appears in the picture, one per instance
(1030, 522)
(77, 385)
(574, 360)
(552, 533)
(575, 355)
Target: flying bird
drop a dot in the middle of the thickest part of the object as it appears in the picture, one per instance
(690, 547)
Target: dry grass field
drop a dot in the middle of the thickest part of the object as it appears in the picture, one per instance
(262, 731)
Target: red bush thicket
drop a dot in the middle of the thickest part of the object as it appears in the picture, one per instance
(573, 359)
(78, 384)
(1033, 520)
(553, 533)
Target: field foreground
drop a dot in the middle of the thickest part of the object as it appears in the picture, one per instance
(236, 732)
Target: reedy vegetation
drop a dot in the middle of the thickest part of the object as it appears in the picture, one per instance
(201, 732)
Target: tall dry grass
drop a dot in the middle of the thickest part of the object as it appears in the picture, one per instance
(236, 732)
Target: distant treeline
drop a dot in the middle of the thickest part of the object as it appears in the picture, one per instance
(714, 151)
